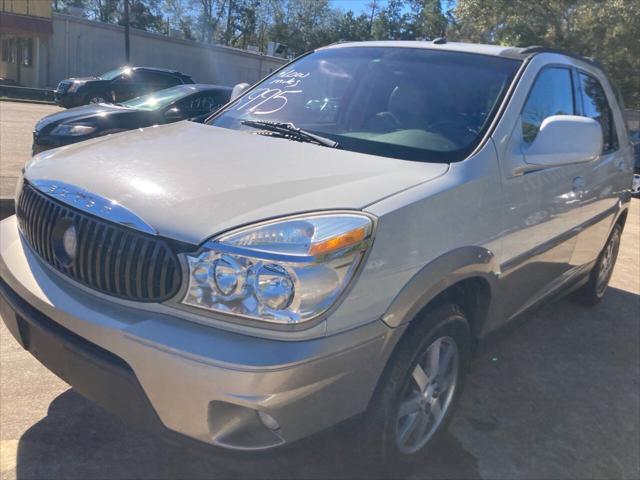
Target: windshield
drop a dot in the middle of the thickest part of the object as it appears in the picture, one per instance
(157, 100)
(406, 103)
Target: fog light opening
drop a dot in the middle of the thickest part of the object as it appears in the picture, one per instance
(268, 421)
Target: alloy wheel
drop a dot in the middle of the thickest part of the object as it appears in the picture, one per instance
(607, 262)
(427, 395)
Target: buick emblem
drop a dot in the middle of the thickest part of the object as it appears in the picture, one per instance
(70, 241)
(65, 241)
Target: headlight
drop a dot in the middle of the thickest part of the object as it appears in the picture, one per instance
(74, 87)
(286, 271)
(73, 130)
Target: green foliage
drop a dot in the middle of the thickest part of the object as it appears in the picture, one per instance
(607, 30)
(142, 15)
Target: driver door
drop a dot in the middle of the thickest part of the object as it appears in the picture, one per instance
(540, 205)
(121, 88)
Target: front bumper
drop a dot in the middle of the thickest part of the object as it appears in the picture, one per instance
(198, 381)
(635, 186)
(67, 100)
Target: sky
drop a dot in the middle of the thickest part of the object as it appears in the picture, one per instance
(356, 5)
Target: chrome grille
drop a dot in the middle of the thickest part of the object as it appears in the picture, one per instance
(109, 258)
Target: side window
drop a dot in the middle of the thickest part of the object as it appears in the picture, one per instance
(190, 104)
(595, 105)
(156, 79)
(212, 101)
(202, 103)
(551, 94)
(167, 81)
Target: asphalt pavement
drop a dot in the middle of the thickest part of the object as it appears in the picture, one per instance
(17, 121)
(559, 397)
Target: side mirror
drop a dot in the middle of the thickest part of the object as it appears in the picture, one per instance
(173, 114)
(563, 140)
(238, 90)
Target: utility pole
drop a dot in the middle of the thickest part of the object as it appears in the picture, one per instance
(127, 46)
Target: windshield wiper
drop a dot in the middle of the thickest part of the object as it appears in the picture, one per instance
(290, 131)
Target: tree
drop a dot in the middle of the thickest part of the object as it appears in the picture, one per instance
(428, 20)
(179, 18)
(142, 15)
(107, 11)
(373, 8)
(606, 30)
(210, 13)
(393, 22)
(350, 27)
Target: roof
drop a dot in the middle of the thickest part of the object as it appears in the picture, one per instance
(494, 50)
(190, 88)
(163, 70)
(518, 53)
(206, 86)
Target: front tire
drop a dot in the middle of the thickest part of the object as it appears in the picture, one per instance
(592, 292)
(420, 387)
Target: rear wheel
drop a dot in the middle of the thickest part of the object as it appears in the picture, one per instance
(592, 292)
(420, 387)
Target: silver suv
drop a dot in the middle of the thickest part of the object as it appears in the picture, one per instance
(334, 241)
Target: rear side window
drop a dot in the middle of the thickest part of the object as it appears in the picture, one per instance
(595, 105)
(551, 94)
(157, 79)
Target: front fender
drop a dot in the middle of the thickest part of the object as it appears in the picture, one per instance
(437, 276)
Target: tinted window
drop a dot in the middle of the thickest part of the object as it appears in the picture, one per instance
(205, 102)
(595, 105)
(157, 100)
(156, 78)
(552, 94)
(406, 103)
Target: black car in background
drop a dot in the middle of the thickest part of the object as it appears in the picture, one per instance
(116, 85)
(165, 106)
(634, 137)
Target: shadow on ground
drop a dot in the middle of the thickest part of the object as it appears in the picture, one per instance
(557, 397)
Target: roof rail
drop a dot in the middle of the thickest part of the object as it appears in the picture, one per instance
(534, 49)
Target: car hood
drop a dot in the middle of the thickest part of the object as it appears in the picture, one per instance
(78, 114)
(191, 181)
(79, 79)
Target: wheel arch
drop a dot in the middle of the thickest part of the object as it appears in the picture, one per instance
(622, 217)
(466, 276)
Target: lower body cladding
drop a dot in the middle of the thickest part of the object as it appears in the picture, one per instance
(219, 387)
